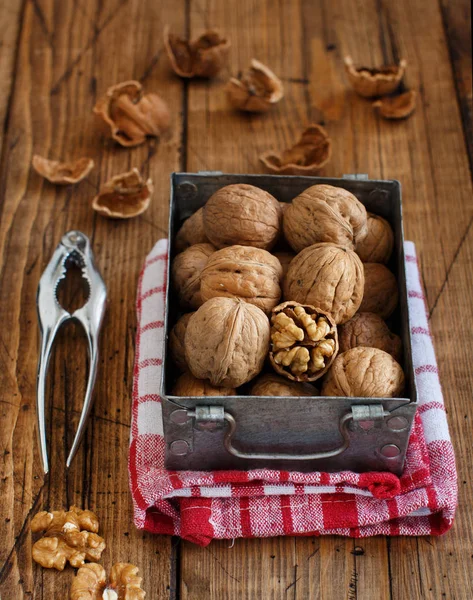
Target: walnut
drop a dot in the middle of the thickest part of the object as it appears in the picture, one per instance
(370, 82)
(271, 384)
(396, 107)
(63, 173)
(324, 213)
(176, 342)
(252, 274)
(191, 232)
(328, 276)
(188, 385)
(310, 154)
(365, 373)
(255, 90)
(227, 341)
(380, 292)
(304, 341)
(124, 196)
(370, 331)
(90, 583)
(68, 536)
(242, 214)
(186, 272)
(203, 57)
(132, 115)
(377, 245)
(285, 259)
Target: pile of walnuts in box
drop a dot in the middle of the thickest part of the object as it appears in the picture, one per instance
(281, 295)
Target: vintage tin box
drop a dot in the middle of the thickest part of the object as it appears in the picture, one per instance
(306, 433)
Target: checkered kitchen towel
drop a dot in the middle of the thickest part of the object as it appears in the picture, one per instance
(201, 506)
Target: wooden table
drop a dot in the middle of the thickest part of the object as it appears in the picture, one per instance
(56, 58)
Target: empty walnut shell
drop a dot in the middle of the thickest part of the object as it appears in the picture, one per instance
(365, 373)
(203, 57)
(188, 385)
(271, 384)
(124, 196)
(327, 276)
(370, 83)
(380, 294)
(227, 341)
(244, 215)
(369, 331)
(255, 90)
(311, 153)
(131, 114)
(396, 107)
(191, 232)
(186, 273)
(324, 213)
(176, 342)
(378, 243)
(252, 274)
(63, 173)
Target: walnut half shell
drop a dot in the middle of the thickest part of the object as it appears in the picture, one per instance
(256, 90)
(124, 196)
(369, 82)
(63, 173)
(396, 107)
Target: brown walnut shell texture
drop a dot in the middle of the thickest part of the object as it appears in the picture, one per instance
(377, 245)
(252, 274)
(364, 373)
(132, 115)
(256, 90)
(188, 385)
(124, 196)
(369, 82)
(396, 107)
(203, 57)
(370, 331)
(380, 294)
(191, 232)
(63, 173)
(227, 341)
(310, 154)
(176, 342)
(186, 272)
(244, 215)
(324, 213)
(328, 276)
(271, 384)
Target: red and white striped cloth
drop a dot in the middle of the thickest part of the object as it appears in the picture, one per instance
(201, 506)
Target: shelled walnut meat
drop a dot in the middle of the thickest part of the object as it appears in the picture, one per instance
(370, 331)
(304, 341)
(176, 342)
(380, 294)
(377, 245)
(271, 384)
(188, 385)
(91, 583)
(186, 272)
(256, 90)
(191, 232)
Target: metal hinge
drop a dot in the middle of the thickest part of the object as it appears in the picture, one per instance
(208, 418)
(357, 176)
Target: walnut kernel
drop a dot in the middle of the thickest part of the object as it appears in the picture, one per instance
(370, 83)
(124, 196)
(370, 331)
(90, 583)
(380, 294)
(377, 245)
(255, 90)
(186, 273)
(63, 173)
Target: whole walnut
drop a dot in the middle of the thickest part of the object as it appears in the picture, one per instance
(271, 384)
(324, 213)
(252, 274)
(328, 276)
(227, 341)
(186, 269)
(370, 331)
(365, 373)
(242, 214)
(191, 232)
(188, 385)
(285, 259)
(176, 342)
(377, 245)
(381, 294)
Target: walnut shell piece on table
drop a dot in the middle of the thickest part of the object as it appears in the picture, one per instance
(370, 331)
(188, 385)
(90, 583)
(255, 90)
(310, 154)
(381, 295)
(271, 384)
(203, 57)
(227, 341)
(63, 173)
(124, 196)
(365, 373)
(191, 232)
(186, 272)
(304, 341)
(324, 213)
(176, 342)
(241, 214)
(252, 274)
(328, 276)
(131, 114)
(396, 107)
(377, 245)
(371, 82)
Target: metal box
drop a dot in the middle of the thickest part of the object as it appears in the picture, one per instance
(296, 434)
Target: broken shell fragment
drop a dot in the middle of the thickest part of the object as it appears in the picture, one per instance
(307, 157)
(124, 196)
(396, 107)
(63, 173)
(131, 114)
(255, 90)
(372, 82)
